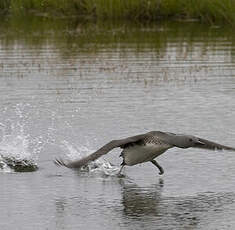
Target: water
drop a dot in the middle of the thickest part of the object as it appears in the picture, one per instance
(67, 88)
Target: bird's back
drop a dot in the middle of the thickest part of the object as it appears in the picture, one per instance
(144, 150)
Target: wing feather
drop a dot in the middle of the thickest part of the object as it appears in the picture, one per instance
(213, 145)
(100, 152)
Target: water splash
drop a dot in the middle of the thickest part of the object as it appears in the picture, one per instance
(4, 167)
(14, 149)
(100, 166)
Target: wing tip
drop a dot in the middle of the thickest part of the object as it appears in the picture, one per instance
(59, 162)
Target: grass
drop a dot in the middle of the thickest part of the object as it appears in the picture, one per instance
(212, 11)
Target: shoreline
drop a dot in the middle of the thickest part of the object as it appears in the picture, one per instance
(204, 11)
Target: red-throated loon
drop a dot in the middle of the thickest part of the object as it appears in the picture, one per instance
(146, 147)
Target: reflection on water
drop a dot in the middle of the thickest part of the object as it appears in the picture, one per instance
(144, 205)
(140, 203)
(143, 208)
(68, 88)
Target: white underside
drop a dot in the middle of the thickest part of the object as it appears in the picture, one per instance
(139, 154)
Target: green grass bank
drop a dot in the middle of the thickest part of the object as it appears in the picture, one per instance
(210, 11)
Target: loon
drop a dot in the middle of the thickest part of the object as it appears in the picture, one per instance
(145, 148)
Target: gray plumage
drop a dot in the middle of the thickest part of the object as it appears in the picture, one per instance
(146, 147)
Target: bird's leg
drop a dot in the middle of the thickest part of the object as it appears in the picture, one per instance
(119, 173)
(158, 166)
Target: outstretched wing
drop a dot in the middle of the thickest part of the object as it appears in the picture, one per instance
(100, 152)
(206, 144)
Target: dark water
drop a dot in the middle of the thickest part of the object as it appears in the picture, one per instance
(67, 88)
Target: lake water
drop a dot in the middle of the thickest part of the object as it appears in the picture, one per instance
(68, 88)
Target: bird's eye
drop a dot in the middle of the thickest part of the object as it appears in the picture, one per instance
(190, 139)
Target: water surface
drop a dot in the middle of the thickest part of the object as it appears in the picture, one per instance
(67, 88)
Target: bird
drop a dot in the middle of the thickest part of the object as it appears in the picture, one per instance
(145, 148)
